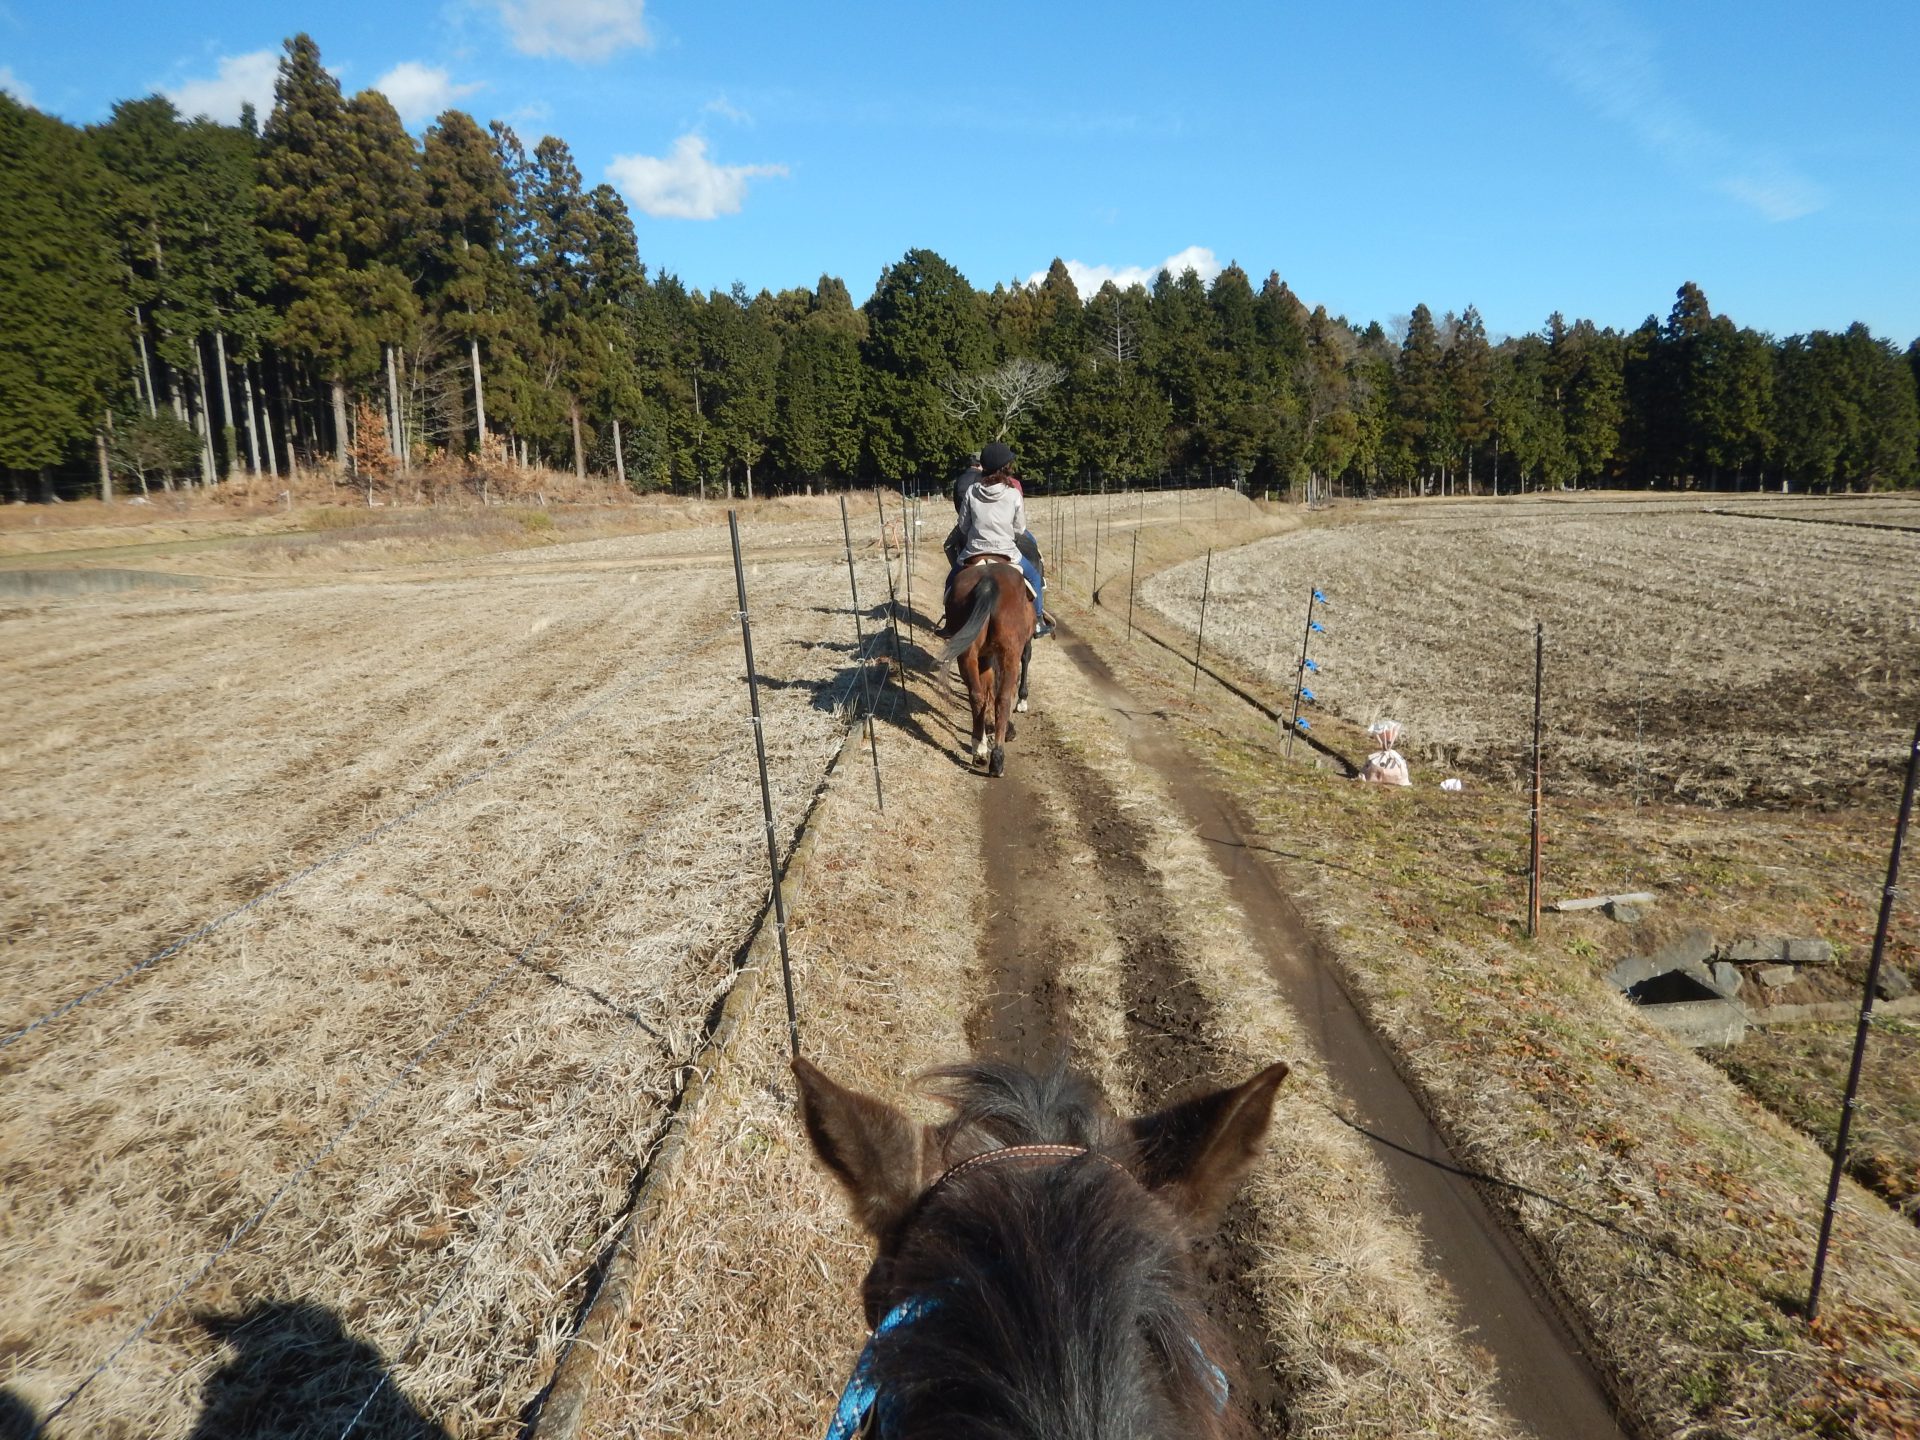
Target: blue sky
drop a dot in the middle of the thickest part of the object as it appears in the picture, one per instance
(1581, 155)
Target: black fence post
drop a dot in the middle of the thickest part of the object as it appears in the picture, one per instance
(860, 658)
(1133, 574)
(1533, 866)
(1888, 893)
(766, 789)
(1200, 632)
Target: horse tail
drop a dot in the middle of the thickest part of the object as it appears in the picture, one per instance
(985, 596)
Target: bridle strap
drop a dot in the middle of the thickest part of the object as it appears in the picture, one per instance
(1023, 1154)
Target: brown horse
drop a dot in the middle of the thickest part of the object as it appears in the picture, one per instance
(1031, 1276)
(992, 645)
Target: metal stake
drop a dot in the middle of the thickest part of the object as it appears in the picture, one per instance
(1300, 672)
(1888, 893)
(893, 598)
(860, 658)
(766, 789)
(1200, 635)
(1133, 572)
(1533, 869)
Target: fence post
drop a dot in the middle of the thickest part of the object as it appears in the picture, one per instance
(1200, 633)
(766, 789)
(1533, 868)
(1094, 590)
(860, 657)
(1133, 574)
(906, 545)
(893, 597)
(1300, 691)
(1888, 893)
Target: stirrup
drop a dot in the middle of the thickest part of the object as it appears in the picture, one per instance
(1043, 629)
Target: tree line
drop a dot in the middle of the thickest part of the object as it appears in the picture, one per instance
(183, 301)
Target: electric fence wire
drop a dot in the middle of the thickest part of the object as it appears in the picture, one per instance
(359, 842)
(252, 1222)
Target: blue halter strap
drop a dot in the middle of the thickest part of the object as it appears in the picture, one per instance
(857, 1400)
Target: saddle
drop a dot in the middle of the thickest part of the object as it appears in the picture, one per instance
(990, 559)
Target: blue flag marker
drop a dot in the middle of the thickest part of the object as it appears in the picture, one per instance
(1318, 596)
(1301, 722)
(1319, 628)
(1307, 695)
(1311, 666)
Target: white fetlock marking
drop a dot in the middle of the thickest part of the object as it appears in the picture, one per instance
(980, 750)
(1020, 707)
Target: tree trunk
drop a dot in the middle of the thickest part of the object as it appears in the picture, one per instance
(579, 454)
(749, 465)
(106, 471)
(146, 364)
(248, 408)
(619, 455)
(394, 441)
(265, 417)
(479, 399)
(209, 462)
(231, 430)
(340, 423)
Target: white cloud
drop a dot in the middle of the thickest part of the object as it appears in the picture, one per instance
(727, 110)
(242, 79)
(15, 86)
(1088, 279)
(575, 29)
(1610, 62)
(420, 92)
(685, 185)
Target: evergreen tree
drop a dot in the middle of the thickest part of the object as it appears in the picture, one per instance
(1468, 371)
(63, 346)
(1419, 397)
(925, 324)
(465, 274)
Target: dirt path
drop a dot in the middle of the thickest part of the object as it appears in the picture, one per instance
(1545, 1379)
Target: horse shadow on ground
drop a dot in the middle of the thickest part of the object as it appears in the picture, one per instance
(874, 685)
(292, 1372)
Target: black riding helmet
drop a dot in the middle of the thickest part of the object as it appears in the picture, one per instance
(996, 457)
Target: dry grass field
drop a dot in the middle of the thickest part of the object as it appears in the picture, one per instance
(1706, 657)
(360, 916)
(1673, 1210)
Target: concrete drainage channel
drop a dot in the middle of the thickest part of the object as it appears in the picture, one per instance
(1706, 994)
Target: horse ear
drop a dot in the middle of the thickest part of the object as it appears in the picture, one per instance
(1196, 1153)
(873, 1148)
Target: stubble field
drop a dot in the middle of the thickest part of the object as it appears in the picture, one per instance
(356, 933)
(1718, 659)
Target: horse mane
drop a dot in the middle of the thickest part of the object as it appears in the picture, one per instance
(1063, 1304)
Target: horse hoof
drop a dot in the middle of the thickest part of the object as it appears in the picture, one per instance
(1020, 707)
(998, 766)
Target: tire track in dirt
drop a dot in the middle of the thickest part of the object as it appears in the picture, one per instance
(1544, 1376)
(1023, 1014)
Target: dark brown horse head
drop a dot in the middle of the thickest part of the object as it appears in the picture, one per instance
(1038, 1244)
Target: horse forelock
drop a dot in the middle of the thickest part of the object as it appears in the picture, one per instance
(1064, 1303)
(1005, 1105)
(1063, 1307)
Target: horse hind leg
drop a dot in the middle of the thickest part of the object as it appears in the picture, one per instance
(978, 702)
(1026, 655)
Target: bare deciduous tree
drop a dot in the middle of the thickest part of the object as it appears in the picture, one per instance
(1001, 395)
